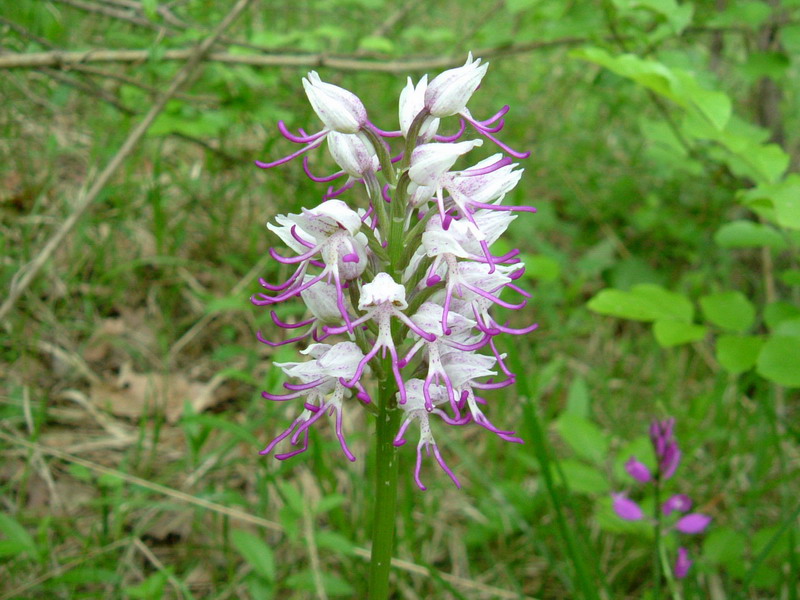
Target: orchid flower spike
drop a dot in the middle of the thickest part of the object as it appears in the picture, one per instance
(399, 283)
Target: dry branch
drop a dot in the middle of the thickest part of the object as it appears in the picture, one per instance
(194, 58)
(68, 59)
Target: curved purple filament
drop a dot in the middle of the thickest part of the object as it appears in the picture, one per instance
(313, 177)
(446, 139)
(382, 133)
(303, 138)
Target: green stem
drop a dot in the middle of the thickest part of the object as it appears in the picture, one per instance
(384, 508)
(659, 542)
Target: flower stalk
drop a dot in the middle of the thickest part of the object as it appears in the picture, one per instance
(385, 497)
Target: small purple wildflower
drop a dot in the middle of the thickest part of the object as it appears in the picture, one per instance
(626, 508)
(668, 457)
(682, 563)
(408, 276)
(638, 470)
(665, 446)
(678, 502)
(693, 523)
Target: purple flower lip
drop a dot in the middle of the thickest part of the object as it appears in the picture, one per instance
(626, 508)
(693, 523)
(677, 503)
(682, 563)
(638, 470)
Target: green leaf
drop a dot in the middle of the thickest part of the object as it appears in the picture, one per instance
(578, 398)
(256, 552)
(377, 44)
(788, 327)
(715, 106)
(790, 38)
(644, 302)
(779, 202)
(790, 277)
(583, 478)
(776, 312)
(541, 267)
(217, 423)
(150, 8)
(19, 536)
(328, 503)
(674, 333)
(675, 84)
(725, 547)
(294, 500)
(517, 6)
(729, 310)
(765, 64)
(738, 353)
(584, 437)
(151, 588)
(227, 304)
(749, 13)
(334, 541)
(748, 234)
(779, 360)
(650, 74)
(305, 581)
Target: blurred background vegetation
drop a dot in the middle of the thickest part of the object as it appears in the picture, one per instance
(663, 262)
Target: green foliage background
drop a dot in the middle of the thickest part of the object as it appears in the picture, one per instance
(663, 260)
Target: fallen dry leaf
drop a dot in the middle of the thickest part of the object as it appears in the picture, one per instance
(135, 394)
(132, 326)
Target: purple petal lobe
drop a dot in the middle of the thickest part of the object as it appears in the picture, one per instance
(638, 470)
(678, 502)
(626, 508)
(682, 563)
(693, 523)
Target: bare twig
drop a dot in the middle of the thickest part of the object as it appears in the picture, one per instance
(67, 59)
(153, 559)
(193, 61)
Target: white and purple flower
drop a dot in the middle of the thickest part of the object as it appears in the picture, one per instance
(407, 277)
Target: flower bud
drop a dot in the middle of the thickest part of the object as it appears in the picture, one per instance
(693, 523)
(339, 109)
(626, 508)
(638, 470)
(430, 161)
(669, 460)
(320, 299)
(682, 563)
(412, 101)
(351, 154)
(678, 502)
(450, 91)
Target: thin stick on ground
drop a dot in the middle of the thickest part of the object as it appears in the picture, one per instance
(194, 59)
